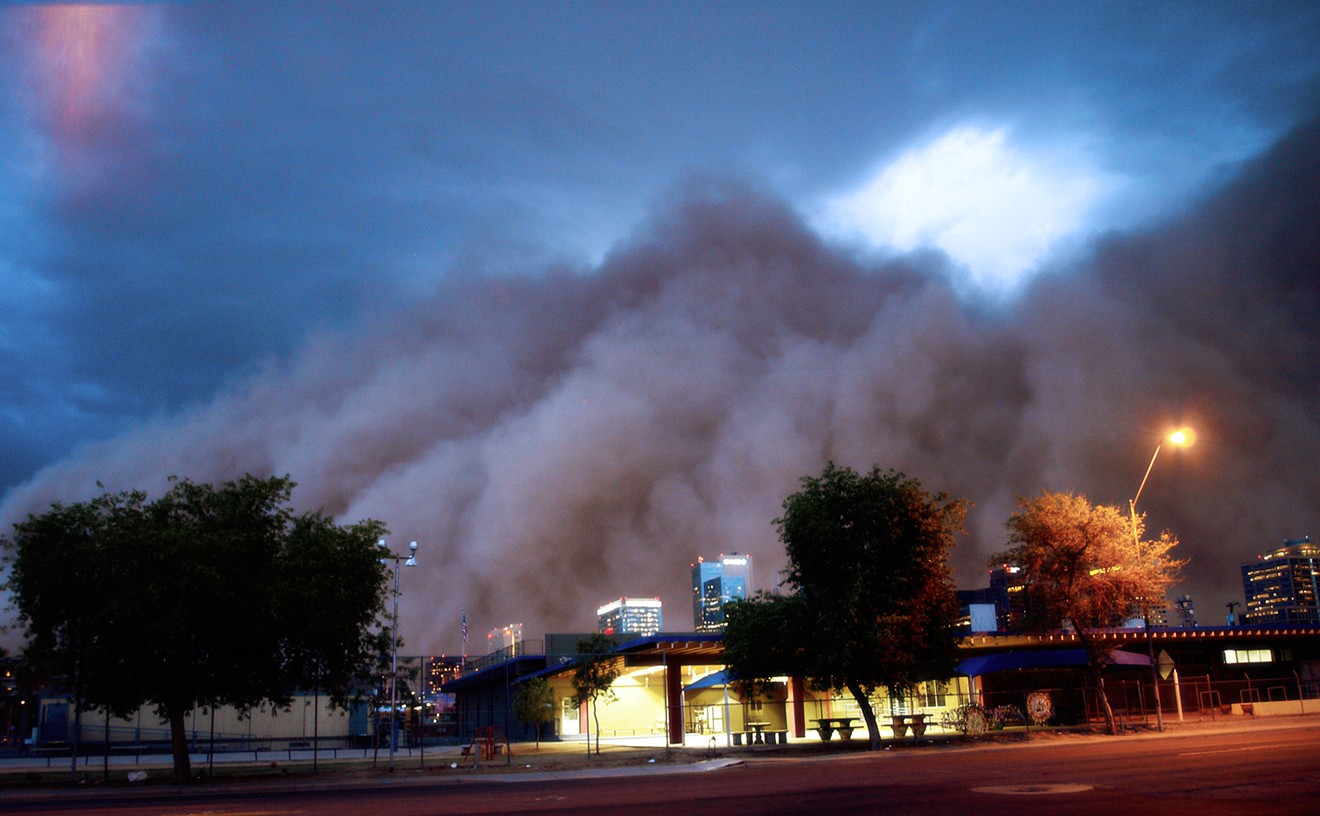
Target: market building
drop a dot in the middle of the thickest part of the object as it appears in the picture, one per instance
(675, 687)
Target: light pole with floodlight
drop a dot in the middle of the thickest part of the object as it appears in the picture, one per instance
(411, 561)
(1183, 437)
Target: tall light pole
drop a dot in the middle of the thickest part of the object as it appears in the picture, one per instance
(1182, 437)
(411, 561)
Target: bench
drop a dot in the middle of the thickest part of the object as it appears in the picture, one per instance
(489, 749)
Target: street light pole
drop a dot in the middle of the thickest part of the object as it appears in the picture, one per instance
(1180, 437)
(394, 639)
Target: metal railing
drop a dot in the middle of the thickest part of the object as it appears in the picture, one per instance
(475, 663)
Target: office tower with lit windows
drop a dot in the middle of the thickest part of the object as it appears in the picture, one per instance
(505, 640)
(630, 616)
(1000, 607)
(715, 583)
(1281, 586)
(1008, 583)
(440, 670)
(706, 607)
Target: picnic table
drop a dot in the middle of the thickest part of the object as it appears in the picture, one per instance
(826, 726)
(759, 728)
(901, 722)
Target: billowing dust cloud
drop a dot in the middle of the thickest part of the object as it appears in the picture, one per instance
(554, 443)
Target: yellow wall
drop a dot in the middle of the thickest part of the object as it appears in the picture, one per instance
(296, 722)
(640, 705)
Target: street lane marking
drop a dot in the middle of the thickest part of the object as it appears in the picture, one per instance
(1032, 790)
(234, 813)
(1227, 750)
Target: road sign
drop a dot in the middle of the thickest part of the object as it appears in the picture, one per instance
(1165, 664)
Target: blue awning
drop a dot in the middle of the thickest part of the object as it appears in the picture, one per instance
(1043, 659)
(719, 678)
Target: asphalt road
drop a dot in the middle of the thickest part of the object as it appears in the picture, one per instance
(1255, 770)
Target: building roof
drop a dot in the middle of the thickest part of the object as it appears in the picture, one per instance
(697, 648)
(514, 667)
(1042, 659)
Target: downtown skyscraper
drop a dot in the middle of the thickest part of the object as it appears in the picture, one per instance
(715, 583)
(630, 616)
(1283, 586)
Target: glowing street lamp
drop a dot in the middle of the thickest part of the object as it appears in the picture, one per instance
(1183, 438)
(386, 557)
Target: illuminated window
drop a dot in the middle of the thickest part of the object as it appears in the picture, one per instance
(932, 693)
(1248, 656)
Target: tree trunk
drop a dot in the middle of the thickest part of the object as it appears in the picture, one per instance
(1095, 661)
(105, 757)
(179, 747)
(316, 726)
(595, 716)
(75, 738)
(868, 714)
(1110, 726)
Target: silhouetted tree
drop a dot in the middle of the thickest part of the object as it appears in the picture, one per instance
(874, 603)
(534, 704)
(597, 669)
(207, 596)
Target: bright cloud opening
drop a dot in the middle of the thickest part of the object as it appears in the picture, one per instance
(992, 208)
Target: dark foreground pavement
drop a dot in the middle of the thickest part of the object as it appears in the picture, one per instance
(1265, 766)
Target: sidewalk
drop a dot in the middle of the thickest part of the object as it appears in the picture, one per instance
(552, 760)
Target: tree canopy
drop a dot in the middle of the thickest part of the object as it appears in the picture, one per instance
(1088, 566)
(597, 669)
(873, 601)
(209, 595)
(534, 704)
(765, 636)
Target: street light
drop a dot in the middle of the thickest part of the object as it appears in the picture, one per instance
(411, 561)
(1183, 437)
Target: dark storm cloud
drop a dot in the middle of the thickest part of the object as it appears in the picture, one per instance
(557, 442)
(1230, 297)
(190, 189)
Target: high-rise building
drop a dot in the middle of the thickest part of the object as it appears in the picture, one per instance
(1281, 587)
(506, 640)
(706, 607)
(1001, 607)
(1009, 584)
(715, 583)
(982, 610)
(1157, 614)
(635, 616)
(439, 670)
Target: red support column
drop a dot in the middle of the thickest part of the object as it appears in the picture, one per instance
(674, 695)
(796, 690)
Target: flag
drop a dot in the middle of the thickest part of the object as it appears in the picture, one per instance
(465, 627)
